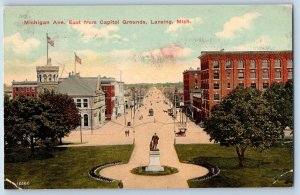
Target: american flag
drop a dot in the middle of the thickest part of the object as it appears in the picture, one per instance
(50, 41)
(77, 59)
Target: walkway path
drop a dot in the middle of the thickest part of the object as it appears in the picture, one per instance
(163, 125)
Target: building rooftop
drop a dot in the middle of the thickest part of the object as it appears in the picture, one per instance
(75, 85)
(222, 52)
(24, 82)
(192, 70)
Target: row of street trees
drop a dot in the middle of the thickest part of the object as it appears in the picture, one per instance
(31, 122)
(249, 118)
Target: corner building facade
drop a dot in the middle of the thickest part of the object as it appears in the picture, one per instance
(223, 71)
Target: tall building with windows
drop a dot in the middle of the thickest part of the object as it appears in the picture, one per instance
(223, 71)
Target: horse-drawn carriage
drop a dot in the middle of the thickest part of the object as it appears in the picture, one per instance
(181, 132)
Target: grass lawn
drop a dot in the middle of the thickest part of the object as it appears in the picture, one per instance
(261, 168)
(67, 169)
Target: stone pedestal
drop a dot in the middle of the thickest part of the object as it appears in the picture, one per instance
(154, 164)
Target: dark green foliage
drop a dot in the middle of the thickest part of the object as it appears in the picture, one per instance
(244, 119)
(31, 122)
(65, 105)
(281, 97)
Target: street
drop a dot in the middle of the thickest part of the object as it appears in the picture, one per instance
(113, 133)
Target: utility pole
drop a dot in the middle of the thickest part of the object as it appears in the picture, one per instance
(133, 101)
(175, 114)
(80, 129)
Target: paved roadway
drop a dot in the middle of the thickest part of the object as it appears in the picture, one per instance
(161, 123)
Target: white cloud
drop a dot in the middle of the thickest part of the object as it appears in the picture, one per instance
(179, 26)
(18, 45)
(261, 43)
(236, 24)
(89, 32)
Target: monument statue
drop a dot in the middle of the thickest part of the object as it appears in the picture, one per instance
(154, 156)
(154, 142)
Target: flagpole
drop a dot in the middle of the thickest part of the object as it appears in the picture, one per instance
(75, 63)
(47, 46)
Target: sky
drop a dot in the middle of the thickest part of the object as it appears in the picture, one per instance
(136, 53)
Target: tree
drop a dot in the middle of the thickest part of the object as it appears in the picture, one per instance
(66, 106)
(280, 95)
(244, 119)
(29, 121)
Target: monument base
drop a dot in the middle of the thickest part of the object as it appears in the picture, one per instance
(154, 164)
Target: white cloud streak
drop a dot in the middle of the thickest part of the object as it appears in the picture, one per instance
(18, 45)
(237, 24)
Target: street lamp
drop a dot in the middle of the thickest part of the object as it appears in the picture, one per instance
(80, 129)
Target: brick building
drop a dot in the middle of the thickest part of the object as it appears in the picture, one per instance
(108, 87)
(191, 81)
(223, 71)
(191, 86)
(109, 91)
(24, 88)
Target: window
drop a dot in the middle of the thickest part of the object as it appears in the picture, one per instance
(22, 89)
(252, 64)
(240, 75)
(252, 75)
(45, 77)
(241, 85)
(196, 81)
(49, 77)
(290, 76)
(241, 64)
(85, 103)
(290, 63)
(265, 64)
(216, 96)
(228, 64)
(228, 86)
(28, 89)
(277, 63)
(216, 86)
(78, 103)
(278, 75)
(17, 89)
(27, 95)
(253, 85)
(265, 75)
(99, 117)
(228, 75)
(85, 120)
(265, 85)
(216, 64)
(216, 75)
